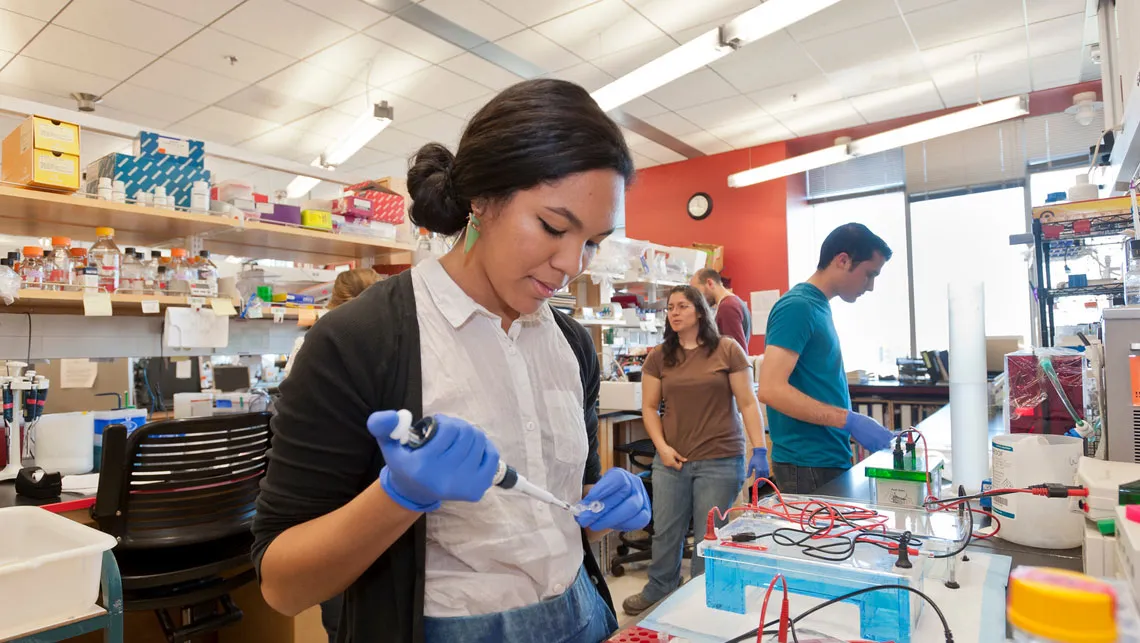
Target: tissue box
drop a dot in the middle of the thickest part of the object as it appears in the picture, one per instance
(283, 213)
(183, 150)
(320, 219)
(143, 174)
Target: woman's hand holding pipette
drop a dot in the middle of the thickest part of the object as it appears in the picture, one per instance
(625, 504)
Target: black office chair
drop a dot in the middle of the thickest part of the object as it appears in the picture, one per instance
(179, 497)
(633, 549)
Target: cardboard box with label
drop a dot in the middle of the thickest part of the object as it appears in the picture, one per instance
(186, 152)
(42, 152)
(143, 174)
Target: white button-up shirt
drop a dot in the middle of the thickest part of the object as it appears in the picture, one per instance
(523, 389)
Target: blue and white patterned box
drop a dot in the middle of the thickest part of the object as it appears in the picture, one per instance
(143, 174)
(185, 150)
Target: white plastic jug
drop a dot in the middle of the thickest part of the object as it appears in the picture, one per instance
(1024, 459)
(63, 442)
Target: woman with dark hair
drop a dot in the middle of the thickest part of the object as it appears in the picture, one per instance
(707, 386)
(420, 542)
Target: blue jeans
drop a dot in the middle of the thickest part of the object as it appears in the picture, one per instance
(577, 616)
(683, 498)
(791, 478)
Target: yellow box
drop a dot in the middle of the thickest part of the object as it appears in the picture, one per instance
(48, 134)
(316, 219)
(36, 167)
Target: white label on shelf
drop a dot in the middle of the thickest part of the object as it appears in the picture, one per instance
(278, 315)
(97, 304)
(196, 302)
(223, 307)
(150, 307)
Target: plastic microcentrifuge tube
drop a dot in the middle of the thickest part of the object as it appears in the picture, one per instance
(596, 506)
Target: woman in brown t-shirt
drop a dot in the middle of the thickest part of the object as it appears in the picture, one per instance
(707, 386)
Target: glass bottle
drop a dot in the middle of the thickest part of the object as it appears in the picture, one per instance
(106, 258)
(57, 267)
(131, 276)
(207, 273)
(423, 248)
(180, 274)
(14, 261)
(84, 278)
(160, 280)
(32, 268)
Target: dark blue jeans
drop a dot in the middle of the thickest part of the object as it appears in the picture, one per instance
(791, 478)
(683, 498)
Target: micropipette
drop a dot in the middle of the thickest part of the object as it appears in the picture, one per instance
(420, 433)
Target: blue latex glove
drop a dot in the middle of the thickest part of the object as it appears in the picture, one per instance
(458, 463)
(867, 432)
(758, 465)
(626, 503)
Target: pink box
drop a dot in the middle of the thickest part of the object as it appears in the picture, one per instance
(353, 206)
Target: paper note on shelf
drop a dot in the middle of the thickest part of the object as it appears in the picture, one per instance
(196, 302)
(762, 303)
(182, 369)
(150, 307)
(191, 328)
(223, 306)
(97, 304)
(306, 317)
(77, 373)
(278, 315)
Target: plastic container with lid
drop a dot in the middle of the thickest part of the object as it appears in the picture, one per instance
(131, 276)
(1047, 605)
(207, 275)
(180, 273)
(57, 267)
(32, 268)
(84, 277)
(107, 259)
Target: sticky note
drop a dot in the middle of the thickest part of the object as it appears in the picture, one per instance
(97, 304)
(149, 307)
(223, 306)
(278, 315)
(77, 373)
(182, 369)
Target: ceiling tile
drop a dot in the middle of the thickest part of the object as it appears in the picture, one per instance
(673, 124)
(5, 56)
(476, 16)
(309, 82)
(364, 158)
(38, 9)
(327, 124)
(287, 141)
(86, 53)
(361, 54)
(1039, 10)
(622, 62)
(657, 152)
(901, 101)
(995, 49)
(958, 86)
(1057, 35)
(17, 30)
(880, 75)
(722, 112)
(397, 168)
(861, 45)
(398, 142)
(282, 26)
(909, 6)
(268, 105)
(52, 79)
(355, 14)
(468, 109)
(1057, 70)
(801, 94)
(413, 40)
(843, 16)
(958, 20)
(15, 91)
(752, 68)
(437, 87)
(749, 133)
(223, 126)
(184, 80)
(532, 13)
(200, 11)
(673, 17)
(632, 138)
(209, 48)
(488, 74)
(641, 162)
(405, 108)
(701, 86)
(439, 126)
(585, 74)
(821, 118)
(601, 28)
(129, 97)
(140, 26)
(642, 107)
(538, 50)
(706, 142)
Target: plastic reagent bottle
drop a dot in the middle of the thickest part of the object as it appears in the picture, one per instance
(32, 268)
(131, 276)
(180, 274)
(107, 259)
(58, 265)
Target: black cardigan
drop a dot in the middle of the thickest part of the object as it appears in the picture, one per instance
(363, 357)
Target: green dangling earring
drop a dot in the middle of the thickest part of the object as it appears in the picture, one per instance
(472, 233)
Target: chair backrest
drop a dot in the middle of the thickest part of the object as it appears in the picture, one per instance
(180, 482)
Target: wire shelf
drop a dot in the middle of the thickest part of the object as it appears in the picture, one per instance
(1101, 290)
(1099, 227)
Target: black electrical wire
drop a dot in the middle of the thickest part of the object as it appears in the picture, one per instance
(969, 519)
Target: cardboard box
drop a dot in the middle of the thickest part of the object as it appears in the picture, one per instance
(319, 219)
(714, 253)
(620, 396)
(47, 134)
(283, 213)
(184, 150)
(39, 168)
(387, 206)
(143, 174)
(353, 207)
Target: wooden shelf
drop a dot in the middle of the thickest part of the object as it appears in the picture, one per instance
(34, 213)
(71, 302)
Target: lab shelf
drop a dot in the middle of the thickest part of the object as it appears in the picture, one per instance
(67, 302)
(1100, 290)
(36, 213)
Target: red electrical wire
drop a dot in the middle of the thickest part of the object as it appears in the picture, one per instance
(785, 611)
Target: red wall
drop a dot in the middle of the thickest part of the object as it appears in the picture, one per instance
(749, 222)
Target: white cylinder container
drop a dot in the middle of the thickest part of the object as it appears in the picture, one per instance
(64, 442)
(969, 399)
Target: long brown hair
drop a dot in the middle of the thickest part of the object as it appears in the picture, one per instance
(350, 284)
(707, 335)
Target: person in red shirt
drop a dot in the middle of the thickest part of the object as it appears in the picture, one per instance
(732, 316)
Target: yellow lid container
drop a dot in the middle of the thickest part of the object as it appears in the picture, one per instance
(1061, 605)
(104, 232)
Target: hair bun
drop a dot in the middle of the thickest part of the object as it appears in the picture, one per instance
(435, 203)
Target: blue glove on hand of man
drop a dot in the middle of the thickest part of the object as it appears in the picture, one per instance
(458, 463)
(626, 503)
(758, 465)
(867, 432)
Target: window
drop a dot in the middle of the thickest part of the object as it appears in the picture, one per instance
(1042, 184)
(967, 238)
(875, 330)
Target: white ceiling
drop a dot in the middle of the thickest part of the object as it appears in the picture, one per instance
(306, 68)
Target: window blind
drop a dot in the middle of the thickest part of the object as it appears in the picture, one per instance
(988, 155)
(1059, 137)
(862, 175)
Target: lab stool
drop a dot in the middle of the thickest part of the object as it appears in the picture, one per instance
(632, 549)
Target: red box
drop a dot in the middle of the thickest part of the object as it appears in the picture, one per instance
(260, 198)
(1082, 226)
(1052, 230)
(387, 206)
(353, 207)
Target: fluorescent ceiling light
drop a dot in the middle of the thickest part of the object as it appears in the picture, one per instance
(750, 26)
(787, 167)
(994, 112)
(300, 186)
(363, 130)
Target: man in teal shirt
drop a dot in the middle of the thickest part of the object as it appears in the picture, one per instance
(802, 379)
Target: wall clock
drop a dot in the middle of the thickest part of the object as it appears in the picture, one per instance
(700, 206)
